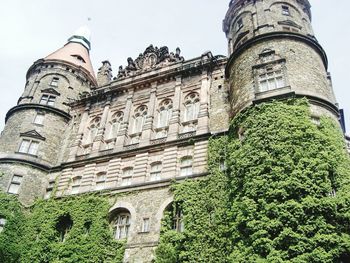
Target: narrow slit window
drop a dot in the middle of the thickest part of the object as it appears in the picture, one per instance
(285, 10)
(54, 82)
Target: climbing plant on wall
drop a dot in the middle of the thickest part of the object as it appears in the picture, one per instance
(283, 198)
(71, 230)
(11, 234)
(67, 230)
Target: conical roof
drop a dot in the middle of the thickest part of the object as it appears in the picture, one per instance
(76, 51)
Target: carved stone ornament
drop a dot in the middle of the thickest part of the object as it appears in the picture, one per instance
(151, 58)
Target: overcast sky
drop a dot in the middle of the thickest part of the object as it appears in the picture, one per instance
(30, 30)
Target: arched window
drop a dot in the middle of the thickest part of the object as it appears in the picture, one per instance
(100, 180)
(63, 226)
(127, 176)
(139, 119)
(156, 171)
(191, 106)
(93, 128)
(121, 224)
(175, 216)
(114, 125)
(186, 166)
(76, 182)
(164, 115)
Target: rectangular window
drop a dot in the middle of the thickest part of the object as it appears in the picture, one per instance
(54, 82)
(156, 171)
(29, 146)
(285, 10)
(15, 184)
(39, 118)
(271, 80)
(186, 166)
(49, 189)
(126, 181)
(47, 100)
(145, 225)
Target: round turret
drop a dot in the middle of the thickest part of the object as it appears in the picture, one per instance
(273, 54)
(39, 125)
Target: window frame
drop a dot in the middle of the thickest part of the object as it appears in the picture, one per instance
(186, 169)
(54, 82)
(31, 149)
(285, 10)
(127, 175)
(155, 171)
(48, 100)
(121, 227)
(16, 182)
(76, 184)
(41, 118)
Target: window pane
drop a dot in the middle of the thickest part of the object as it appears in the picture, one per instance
(145, 226)
(280, 82)
(51, 101)
(39, 118)
(17, 179)
(33, 148)
(14, 188)
(24, 146)
(44, 99)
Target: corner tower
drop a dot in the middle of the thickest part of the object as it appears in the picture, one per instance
(37, 127)
(274, 53)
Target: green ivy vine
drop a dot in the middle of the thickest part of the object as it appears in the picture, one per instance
(283, 197)
(36, 238)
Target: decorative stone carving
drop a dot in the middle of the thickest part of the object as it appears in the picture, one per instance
(104, 74)
(151, 58)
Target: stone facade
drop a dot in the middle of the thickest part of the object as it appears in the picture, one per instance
(137, 132)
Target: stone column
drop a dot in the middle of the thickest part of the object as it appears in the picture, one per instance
(124, 128)
(99, 139)
(203, 116)
(147, 127)
(79, 137)
(174, 122)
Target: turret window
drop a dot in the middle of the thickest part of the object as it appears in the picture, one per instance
(48, 100)
(15, 184)
(285, 10)
(239, 24)
(29, 147)
(39, 118)
(271, 80)
(54, 82)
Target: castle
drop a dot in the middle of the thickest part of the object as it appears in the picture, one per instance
(134, 134)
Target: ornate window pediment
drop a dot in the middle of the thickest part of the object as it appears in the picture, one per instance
(289, 23)
(33, 134)
(51, 91)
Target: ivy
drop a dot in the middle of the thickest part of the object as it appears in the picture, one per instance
(36, 238)
(10, 237)
(283, 198)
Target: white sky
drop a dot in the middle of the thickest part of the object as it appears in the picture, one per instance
(30, 30)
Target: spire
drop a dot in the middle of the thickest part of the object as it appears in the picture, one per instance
(76, 51)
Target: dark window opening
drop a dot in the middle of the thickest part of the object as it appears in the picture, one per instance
(63, 226)
(87, 227)
(178, 222)
(285, 10)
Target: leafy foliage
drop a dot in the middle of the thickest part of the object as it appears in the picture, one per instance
(10, 237)
(284, 197)
(88, 239)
